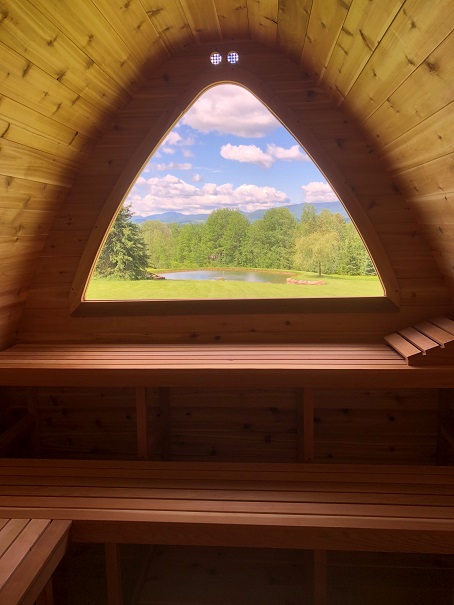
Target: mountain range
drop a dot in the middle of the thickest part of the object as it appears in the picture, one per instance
(295, 209)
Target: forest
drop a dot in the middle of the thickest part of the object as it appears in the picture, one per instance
(324, 243)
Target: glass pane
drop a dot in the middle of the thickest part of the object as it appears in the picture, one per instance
(231, 206)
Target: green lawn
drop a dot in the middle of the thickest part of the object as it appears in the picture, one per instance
(336, 286)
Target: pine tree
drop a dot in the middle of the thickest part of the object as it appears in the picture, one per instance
(124, 254)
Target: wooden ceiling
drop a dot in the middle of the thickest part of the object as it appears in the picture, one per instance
(68, 67)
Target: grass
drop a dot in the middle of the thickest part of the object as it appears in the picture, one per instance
(336, 286)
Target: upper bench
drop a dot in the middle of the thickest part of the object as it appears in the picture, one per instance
(218, 365)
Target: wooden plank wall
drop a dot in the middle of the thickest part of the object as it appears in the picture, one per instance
(397, 427)
(351, 426)
(67, 71)
(45, 137)
(334, 141)
(405, 105)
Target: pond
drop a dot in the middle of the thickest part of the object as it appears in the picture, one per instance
(230, 275)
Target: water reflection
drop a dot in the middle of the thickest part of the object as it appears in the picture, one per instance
(231, 275)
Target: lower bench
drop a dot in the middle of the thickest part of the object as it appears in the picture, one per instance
(30, 550)
(329, 507)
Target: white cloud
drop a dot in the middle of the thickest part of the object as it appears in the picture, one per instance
(196, 178)
(318, 192)
(230, 109)
(159, 194)
(293, 153)
(174, 140)
(254, 155)
(172, 166)
(247, 153)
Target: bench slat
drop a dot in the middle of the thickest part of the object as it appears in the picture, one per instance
(20, 548)
(229, 519)
(47, 466)
(444, 323)
(336, 493)
(435, 333)
(228, 506)
(285, 505)
(9, 533)
(421, 341)
(31, 574)
(402, 346)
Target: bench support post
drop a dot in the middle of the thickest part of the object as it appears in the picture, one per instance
(47, 595)
(113, 574)
(316, 576)
(445, 436)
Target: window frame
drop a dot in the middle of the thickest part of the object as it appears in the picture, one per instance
(79, 306)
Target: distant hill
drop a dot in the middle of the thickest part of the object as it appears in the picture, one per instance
(172, 217)
(295, 209)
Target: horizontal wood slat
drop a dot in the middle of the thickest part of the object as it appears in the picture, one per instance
(215, 365)
(402, 346)
(425, 343)
(421, 341)
(337, 506)
(435, 333)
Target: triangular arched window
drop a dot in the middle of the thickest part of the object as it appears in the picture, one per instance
(231, 206)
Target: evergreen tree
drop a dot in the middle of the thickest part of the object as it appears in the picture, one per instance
(354, 258)
(124, 254)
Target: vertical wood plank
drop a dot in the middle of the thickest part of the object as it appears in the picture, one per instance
(233, 19)
(203, 19)
(300, 425)
(325, 24)
(445, 439)
(315, 573)
(4, 408)
(305, 425)
(263, 20)
(164, 404)
(32, 408)
(16, 439)
(320, 577)
(308, 452)
(113, 574)
(142, 423)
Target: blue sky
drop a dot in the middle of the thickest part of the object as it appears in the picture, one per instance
(227, 151)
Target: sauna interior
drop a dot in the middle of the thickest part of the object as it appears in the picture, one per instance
(217, 452)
